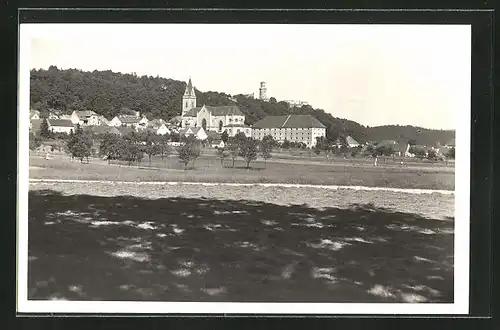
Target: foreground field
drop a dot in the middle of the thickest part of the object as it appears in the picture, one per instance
(206, 243)
(209, 169)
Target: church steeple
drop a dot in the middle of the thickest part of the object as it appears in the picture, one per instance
(189, 98)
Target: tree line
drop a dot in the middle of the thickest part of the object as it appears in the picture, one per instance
(134, 146)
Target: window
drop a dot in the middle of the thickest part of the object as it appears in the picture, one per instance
(220, 125)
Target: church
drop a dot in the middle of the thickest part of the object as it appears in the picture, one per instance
(217, 119)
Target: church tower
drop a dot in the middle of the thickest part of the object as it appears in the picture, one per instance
(189, 98)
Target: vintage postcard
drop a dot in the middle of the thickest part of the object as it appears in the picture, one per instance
(237, 168)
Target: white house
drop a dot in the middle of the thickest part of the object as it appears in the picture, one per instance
(61, 126)
(293, 128)
(129, 121)
(84, 118)
(198, 132)
(34, 114)
(351, 142)
(162, 130)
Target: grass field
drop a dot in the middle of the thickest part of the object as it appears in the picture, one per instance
(209, 169)
(219, 243)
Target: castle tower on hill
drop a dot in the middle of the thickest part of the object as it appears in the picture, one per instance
(263, 91)
(189, 98)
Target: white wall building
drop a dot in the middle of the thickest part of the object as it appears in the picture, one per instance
(293, 128)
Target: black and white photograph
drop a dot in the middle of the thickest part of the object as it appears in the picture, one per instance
(244, 168)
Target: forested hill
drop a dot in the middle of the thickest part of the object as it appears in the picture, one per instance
(108, 93)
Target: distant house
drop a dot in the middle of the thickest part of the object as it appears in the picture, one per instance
(215, 139)
(198, 132)
(103, 121)
(159, 126)
(351, 142)
(175, 122)
(402, 149)
(293, 128)
(84, 118)
(156, 123)
(34, 115)
(129, 121)
(162, 130)
(53, 115)
(61, 126)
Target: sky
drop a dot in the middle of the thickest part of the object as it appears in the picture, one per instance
(373, 74)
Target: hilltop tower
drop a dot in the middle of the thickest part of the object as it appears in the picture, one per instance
(263, 91)
(189, 98)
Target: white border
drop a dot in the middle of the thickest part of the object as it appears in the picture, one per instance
(461, 264)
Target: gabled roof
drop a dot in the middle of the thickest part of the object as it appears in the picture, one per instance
(34, 112)
(60, 122)
(103, 119)
(227, 110)
(350, 140)
(85, 113)
(176, 119)
(195, 130)
(290, 121)
(401, 146)
(193, 112)
(189, 89)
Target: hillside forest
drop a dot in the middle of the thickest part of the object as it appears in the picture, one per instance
(111, 93)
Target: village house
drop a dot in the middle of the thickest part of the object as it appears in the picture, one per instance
(136, 122)
(212, 118)
(402, 149)
(215, 139)
(53, 115)
(61, 126)
(34, 114)
(198, 132)
(293, 128)
(351, 142)
(159, 126)
(85, 117)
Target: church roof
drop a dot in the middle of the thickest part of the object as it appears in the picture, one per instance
(192, 112)
(189, 89)
(290, 121)
(227, 110)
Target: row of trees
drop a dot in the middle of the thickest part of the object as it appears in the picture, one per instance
(132, 147)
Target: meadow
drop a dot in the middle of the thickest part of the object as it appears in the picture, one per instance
(302, 169)
(219, 243)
